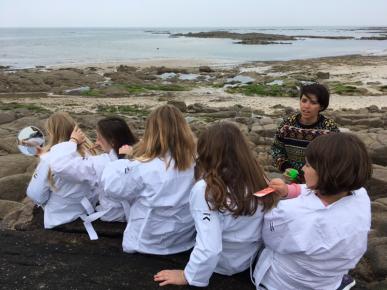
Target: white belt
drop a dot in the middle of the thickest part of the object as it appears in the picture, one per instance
(91, 216)
(264, 263)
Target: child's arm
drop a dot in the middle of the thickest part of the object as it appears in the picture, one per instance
(286, 190)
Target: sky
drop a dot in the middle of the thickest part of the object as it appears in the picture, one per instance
(191, 13)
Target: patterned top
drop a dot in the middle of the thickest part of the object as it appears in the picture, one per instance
(292, 138)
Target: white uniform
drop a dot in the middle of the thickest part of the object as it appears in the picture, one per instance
(310, 245)
(73, 168)
(159, 221)
(224, 244)
(63, 204)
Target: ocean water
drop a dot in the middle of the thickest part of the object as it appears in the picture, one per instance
(29, 47)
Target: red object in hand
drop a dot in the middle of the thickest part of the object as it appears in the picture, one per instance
(264, 192)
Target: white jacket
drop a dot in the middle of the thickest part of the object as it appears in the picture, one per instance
(159, 220)
(63, 204)
(73, 168)
(311, 246)
(224, 244)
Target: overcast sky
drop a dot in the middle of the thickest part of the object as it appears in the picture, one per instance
(191, 13)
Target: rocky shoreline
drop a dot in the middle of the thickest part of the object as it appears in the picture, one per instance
(65, 259)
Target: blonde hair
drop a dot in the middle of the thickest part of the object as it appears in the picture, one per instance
(167, 132)
(59, 127)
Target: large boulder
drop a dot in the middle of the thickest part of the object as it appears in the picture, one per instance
(14, 187)
(14, 164)
(8, 206)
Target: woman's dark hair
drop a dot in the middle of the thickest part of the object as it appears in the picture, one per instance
(116, 132)
(318, 90)
(231, 172)
(341, 162)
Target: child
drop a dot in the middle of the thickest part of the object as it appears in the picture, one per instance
(157, 185)
(112, 133)
(228, 217)
(314, 240)
(60, 199)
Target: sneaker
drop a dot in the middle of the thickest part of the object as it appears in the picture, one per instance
(347, 283)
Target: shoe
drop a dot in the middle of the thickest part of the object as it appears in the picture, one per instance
(347, 283)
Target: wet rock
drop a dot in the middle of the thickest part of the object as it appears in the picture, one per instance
(14, 187)
(15, 164)
(178, 104)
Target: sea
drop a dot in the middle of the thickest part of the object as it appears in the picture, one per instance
(31, 47)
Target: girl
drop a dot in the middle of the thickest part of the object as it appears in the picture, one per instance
(156, 183)
(112, 133)
(228, 218)
(313, 240)
(60, 199)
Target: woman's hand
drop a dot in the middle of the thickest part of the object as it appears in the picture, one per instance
(174, 277)
(77, 136)
(279, 186)
(126, 150)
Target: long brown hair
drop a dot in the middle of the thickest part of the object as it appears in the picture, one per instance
(231, 172)
(59, 127)
(166, 131)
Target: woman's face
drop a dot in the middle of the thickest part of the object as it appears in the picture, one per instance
(309, 107)
(101, 141)
(310, 175)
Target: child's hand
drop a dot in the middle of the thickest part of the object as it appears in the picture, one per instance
(291, 175)
(280, 186)
(175, 277)
(78, 136)
(39, 151)
(125, 149)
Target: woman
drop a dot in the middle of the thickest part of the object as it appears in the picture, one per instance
(298, 130)
(156, 184)
(112, 133)
(60, 199)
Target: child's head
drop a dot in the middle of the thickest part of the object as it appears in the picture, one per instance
(336, 163)
(59, 127)
(167, 132)
(112, 133)
(317, 93)
(230, 170)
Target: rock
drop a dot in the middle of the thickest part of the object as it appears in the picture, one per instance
(378, 184)
(14, 187)
(8, 145)
(373, 109)
(323, 75)
(377, 256)
(178, 104)
(376, 144)
(7, 206)
(205, 69)
(20, 219)
(7, 116)
(267, 130)
(200, 108)
(16, 163)
(127, 69)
